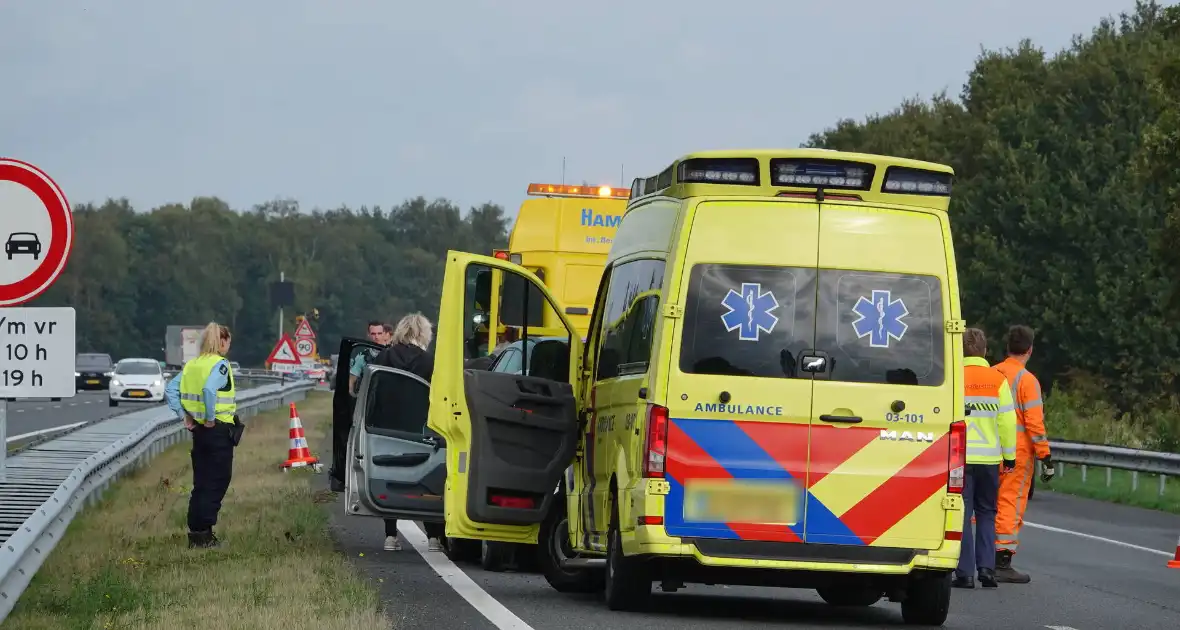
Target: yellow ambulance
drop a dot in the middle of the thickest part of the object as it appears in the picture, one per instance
(770, 391)
(562, 234)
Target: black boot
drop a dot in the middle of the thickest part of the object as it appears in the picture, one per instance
(1004, 570)
(963, 581)
(336, 485)
(203, 540)
(987, 578)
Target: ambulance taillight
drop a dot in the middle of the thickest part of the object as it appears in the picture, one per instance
(958, 457)
(656, 445)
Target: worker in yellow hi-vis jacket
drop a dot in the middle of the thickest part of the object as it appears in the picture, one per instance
(991, 440)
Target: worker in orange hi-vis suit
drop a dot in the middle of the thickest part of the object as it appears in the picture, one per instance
(1032, 444)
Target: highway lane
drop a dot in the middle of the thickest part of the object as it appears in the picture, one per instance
(26, 416)
(1078, 583)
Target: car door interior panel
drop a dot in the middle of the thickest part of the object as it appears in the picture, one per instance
(523, 436)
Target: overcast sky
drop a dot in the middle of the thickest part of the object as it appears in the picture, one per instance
(372, 102)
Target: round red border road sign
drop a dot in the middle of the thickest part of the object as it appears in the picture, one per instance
(61, 222)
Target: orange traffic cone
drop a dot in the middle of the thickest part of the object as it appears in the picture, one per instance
(299, 455)
(1174, 563)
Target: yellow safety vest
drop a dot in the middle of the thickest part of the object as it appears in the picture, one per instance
(192, 382)
(991, 415)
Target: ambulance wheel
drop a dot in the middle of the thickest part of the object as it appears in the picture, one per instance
(842, 596)
(553, 546)
(628, 583)
(460, 549)
(928, 598)
(495, 556)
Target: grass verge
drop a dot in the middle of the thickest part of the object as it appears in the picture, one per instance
(1146, 495)
(125, 563)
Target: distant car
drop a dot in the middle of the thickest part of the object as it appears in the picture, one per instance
(136, 380)
(23, 243)
(235, 366)
(93, 370)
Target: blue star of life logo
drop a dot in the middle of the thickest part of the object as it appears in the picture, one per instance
(749, 311)
(879, 319)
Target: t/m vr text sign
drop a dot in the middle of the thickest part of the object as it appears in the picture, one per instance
(37, 350)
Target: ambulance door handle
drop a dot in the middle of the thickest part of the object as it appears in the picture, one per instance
(844, 419)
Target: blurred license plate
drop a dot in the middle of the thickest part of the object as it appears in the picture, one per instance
(138, 394)
(93, 381)
(769, 502)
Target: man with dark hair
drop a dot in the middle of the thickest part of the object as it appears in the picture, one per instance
(1031, 444)
(991, 439)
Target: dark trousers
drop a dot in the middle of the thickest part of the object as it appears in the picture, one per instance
(213, 467)
(981, 489)
(433, 530)
(339, 446)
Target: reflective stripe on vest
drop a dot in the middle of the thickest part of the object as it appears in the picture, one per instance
(982, 400)
(192, 382)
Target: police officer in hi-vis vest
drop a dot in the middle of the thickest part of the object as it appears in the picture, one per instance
(991, 439)
(204, 394)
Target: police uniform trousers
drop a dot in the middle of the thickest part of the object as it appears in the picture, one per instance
(213, 467)
(981, 488)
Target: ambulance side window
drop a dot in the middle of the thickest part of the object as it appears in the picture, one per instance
(882, 328)
(628, 316)
(523, 308)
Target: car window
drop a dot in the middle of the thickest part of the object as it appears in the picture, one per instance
(137, 368)
(523, 306)
(397, 404)
(631, 300)
(93, 360)
(743, 320)
(881, 328)
(509, 361)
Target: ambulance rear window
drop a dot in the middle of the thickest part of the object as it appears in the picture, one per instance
(881, 327)
(742, 320)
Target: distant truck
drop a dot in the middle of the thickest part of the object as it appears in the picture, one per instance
(181, 343)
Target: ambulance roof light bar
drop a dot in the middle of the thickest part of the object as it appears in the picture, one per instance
(567, 190)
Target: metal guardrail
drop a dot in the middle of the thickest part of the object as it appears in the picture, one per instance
(50, 483)
(1115, 457)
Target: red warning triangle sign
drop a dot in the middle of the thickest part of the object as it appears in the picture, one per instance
(284, 352)
(303, 330)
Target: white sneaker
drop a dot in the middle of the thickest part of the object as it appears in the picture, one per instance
(435, 545)
(392, 543)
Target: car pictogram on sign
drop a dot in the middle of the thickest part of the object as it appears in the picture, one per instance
(23, 243)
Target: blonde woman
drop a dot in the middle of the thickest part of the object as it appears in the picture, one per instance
(204, 395)
(407, 351)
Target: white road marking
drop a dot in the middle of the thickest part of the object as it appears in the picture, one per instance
(1058, 627)
(42, 432)
(20, 410)
(487, 605)
(1167, 554)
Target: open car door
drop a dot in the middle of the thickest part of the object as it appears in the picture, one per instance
(344, 399)
(510, 436)
(396, 466)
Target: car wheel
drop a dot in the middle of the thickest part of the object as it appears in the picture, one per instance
(851, 597)
(628, 584)
(928, 598)
(553, 546)
(461, 549)
(113, 402)
(495, 556)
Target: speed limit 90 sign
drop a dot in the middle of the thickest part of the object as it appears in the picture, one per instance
(305, 347)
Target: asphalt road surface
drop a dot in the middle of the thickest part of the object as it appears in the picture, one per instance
(27, 416)
(1079, 582)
